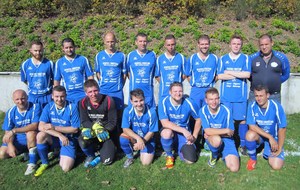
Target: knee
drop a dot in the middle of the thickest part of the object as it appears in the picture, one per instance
(276, 166)
(250, 135)
(41, 137)
(215, 141)
(31, 135)
(234, 168)
(66, 168)
(2, 154)
(166, 133)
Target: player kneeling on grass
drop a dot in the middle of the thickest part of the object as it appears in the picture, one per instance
(98, 116)
(20, 126)
(174, 113)
(58, 126)
(139, 125)
(218, 131)
(267, 127)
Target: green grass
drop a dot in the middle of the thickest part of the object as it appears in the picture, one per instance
(182, 176)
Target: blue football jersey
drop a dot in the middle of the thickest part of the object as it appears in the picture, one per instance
(73, 73)
(66, 117)
(270, 119)
(111, 67)
(234, 90)
(221, 120)
(169, 70)
(141, 125)
(38, 77)
(202, 72)
(141, 69)
(180, 114)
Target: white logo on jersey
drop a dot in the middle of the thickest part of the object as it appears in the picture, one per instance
(109, 73)
(171, 76)
(64, 63)
(257, 64)
(29, 68)
(142, 72)
(164, 62)
(274, 64)
(73, 78)
(135, 58)
(16, 117)
(197, 63)
(227, 62)
(103, 58)
(52, 113)
(106, 160)
(89, 108)
(38, 84)
(203, 77)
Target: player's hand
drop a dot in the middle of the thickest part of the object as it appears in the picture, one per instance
(276, 153)
(139, 145)
(11, 150)
(87, 133)
(229, 132)
(101, 133)
(8, 137)
(48, 126)
(273, 144)
(192, 141)
(188, 135)
(64, 140)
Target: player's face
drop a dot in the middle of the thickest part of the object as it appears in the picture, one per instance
(59, 98)
(92, 93)
(170, 45)
(213, 101)
(265, 46)
(110, 42)
(20, 99)
(203, 46)
(261, 98)
(68, 49)
(176, 93)
(138, 103)
(236, 45)
(141, 43)
(37, 51)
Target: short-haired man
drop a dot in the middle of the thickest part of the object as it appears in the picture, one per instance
(218, 131)
(269, 68)
(141, 68)
(37, 73)
(267, 127)
(98, 117)
(201, 71)
(74, 69)
(58, 126)
(174, 113)
(139, 125)
(170, 67)
(233, 70)
(20, 126)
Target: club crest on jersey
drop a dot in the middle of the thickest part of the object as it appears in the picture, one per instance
(142, 72)
(274, 64)
(73, 78)
(257, 64)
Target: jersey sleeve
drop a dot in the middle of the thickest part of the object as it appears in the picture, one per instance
(285, 68)
(97, 66)
(204, 119)
(220, 68)
(194, 108)
(157, 69)
(153, 124)
(126, 121)
(247, 66)
(188, 67)
(124, 67)
(57, 72)
(83, 113)
(75, 121)
(8, 123)
(36, 113)
(281, 117)
(23, 72)
(87, 68)
(111, 115)
(45, 116)
(162, 111)
(250, 115)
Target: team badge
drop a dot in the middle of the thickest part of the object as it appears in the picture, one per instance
(274, 64)
(257, 64)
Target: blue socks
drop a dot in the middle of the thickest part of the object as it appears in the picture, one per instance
(251, 148)
(42, 149)
(126, 147)
(167, 146)
(243, 128)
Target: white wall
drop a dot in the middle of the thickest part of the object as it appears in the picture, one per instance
(289, 93)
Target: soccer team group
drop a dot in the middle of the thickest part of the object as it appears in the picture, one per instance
(66, 109)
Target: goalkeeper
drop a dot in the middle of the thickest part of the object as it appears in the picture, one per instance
(98, 118)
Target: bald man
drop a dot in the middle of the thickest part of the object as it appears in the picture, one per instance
(111, 74)
(20, 126)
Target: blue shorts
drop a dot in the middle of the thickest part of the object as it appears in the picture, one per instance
(198, 96)
(69, 150)
(149, 148)
(267, 149)
(238, 109)
(118, 98)
(20, 143)
(43, 100)
(228, 148)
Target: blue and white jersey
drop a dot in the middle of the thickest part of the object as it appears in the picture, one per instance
(202, 72)
(16, 119)
(73, 73)
(180, 114)
(66, 117)
(234, 90)
(221, 120)
(141, 125)
(111, 67)
(270, 119)
(141, 69)
(38, 77)
(169, 70)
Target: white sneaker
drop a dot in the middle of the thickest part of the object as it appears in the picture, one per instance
(30, 169)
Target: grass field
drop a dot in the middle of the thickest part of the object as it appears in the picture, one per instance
(182, 176)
